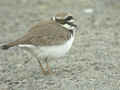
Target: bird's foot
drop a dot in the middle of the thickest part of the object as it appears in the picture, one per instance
(49, 72)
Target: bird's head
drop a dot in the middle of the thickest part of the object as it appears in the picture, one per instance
(65, 19)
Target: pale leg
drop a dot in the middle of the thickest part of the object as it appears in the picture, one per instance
(49, 71)
(48, 67)
(43, 70)
(41, 66)
(35, 55)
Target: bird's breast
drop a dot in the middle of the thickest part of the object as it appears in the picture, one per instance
(56, 50)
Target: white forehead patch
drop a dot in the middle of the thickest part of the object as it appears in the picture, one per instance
(59, 18)
(71, 21)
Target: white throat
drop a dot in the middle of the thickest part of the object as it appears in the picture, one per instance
(67, 26)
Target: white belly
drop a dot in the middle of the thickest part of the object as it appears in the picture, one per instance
(57, 51)
(50, 51)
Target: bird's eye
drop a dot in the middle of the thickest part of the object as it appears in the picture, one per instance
(68, 18)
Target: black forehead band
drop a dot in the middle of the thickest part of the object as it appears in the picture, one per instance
(68, 18)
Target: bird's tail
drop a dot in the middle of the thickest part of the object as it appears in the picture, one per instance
(5, 47)
(9, 45)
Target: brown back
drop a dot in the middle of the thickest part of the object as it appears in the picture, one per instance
(45, 33)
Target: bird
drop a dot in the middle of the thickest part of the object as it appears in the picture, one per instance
(49, 38)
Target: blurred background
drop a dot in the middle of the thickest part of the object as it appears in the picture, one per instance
(93, 63)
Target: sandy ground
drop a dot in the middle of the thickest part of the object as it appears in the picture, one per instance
(93, 63)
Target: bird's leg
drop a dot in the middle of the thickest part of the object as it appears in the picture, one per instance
(47, 65)
(46, 60)
(35, 55)
(43, 70)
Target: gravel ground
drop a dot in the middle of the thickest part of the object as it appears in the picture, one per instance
(93, 63)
